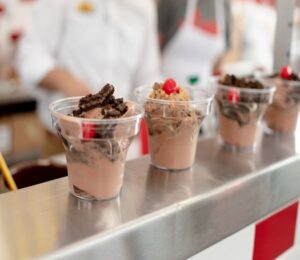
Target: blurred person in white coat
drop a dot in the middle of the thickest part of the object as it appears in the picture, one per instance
(74, 47)
(253, 33)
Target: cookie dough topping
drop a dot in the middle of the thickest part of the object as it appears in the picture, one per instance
(169, 90)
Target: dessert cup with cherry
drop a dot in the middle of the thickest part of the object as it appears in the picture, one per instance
(282, 115)
(241, 103)
(96, 132)
(173, 115)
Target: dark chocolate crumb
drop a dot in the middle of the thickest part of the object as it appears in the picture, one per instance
(245, 82)
(295, 77)
(112, 107)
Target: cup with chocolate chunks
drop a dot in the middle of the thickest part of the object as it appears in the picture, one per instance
(173, 115)
(241, 103)
(96, 131)
(282, 115)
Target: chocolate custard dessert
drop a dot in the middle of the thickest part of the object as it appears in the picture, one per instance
(173, 115)
(96, 131)
(282, 115)
(241, 104)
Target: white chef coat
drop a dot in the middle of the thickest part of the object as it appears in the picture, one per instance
(114, 43)
(295, 49)
(192, 51)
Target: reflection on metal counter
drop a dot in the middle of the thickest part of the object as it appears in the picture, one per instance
(159, 215)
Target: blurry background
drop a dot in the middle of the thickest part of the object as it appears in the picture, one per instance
(197, 39)
(21, 132)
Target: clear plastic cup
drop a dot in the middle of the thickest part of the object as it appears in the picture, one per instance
(282, 115)
(95, 149)
(239, 113)
(173, 127)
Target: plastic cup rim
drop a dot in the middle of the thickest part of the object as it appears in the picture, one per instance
(91, 120)
(205, 100)
(268, 90)
(292, 83)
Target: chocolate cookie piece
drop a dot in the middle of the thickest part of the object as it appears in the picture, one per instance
(111, 107)
(77, 112)
(103, 97)
(122, 108)
(295, 77)
(115, 109)
(246, 82)
(91, 101)
(110, 112)
(110, 100)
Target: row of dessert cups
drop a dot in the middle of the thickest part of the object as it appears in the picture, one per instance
(173, 128)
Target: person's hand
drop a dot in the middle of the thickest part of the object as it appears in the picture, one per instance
(59, 79)
(76, 88)
(7, 72)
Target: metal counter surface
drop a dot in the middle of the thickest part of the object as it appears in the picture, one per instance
(159, 215)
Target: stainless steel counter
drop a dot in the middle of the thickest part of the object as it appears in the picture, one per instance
(159, 215)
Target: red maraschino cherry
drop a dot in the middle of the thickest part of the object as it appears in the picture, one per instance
(233, 95)
(170, 87)
(286, 72)
(15, 36)
(88, 130)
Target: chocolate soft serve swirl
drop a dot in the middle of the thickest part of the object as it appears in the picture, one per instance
(104, 99)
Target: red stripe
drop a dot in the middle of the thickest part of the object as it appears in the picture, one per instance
(276, 234)
(144, 138)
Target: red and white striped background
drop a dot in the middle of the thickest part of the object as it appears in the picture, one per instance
(275, 237)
